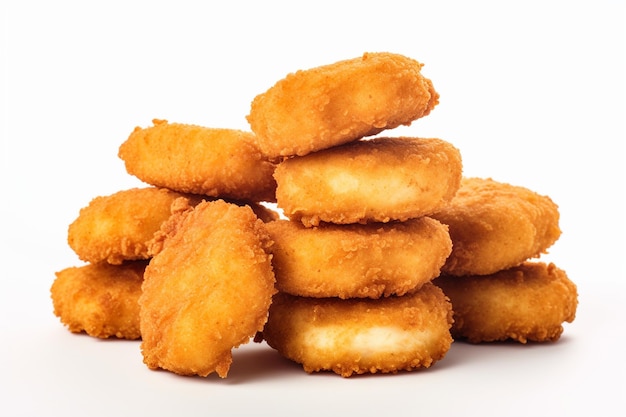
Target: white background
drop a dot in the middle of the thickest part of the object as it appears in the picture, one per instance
(532, 93)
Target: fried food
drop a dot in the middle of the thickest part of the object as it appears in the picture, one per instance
(376, 180)
(100, 299)
(354, 261)
(358, 336)
(495, 226)
(322, 107)
(117, 227)
(221, 163)
(529, 302)
(207, 289)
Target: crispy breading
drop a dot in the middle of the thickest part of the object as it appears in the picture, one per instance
(347, 261)
(358, 336)
(216, 162)
(495, 226)
(207, 289)
(322, 107)
(100, 299)
(376, 180)
(117, 227)
(529, 302)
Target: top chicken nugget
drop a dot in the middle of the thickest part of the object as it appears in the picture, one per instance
(319, 108)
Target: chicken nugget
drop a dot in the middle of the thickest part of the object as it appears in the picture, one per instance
(100, 299)
(358, 336)
(217, 162)
(376, 180)
(354, 261)
(207, 289)
(117, 227)
(322, 107)
(495, 226)
(529, 302)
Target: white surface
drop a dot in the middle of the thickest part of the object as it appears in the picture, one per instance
(531, 93)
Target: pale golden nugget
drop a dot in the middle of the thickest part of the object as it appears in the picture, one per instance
(360, 336)
(376, 180)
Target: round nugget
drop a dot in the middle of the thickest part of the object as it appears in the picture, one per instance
(322, 107)
(496, 226)
(529, 302)
(206, 290)
(216, 162)
(355, 261)
(100, 299)
(359, 336)
(377, 180)
(117, 227)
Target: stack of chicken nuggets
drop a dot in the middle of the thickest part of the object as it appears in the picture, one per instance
(498, 288)
(366, 267)
(355, 259)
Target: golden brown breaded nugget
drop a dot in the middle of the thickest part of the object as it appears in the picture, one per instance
(358, 336)
(376, 180)
(206, 290)
(529, 302)
(117, 227)
(216, 162)
(322, 107)
(100, 299)
(355, 261)
(496, 226)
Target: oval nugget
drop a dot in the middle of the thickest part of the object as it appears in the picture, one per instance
(358, 336)
(216, 162)
(376, 180)
(206, 290)
(495, 226)
(529, 302)
(348, 261)
(117, 227)
(100, 299)
(322, 107)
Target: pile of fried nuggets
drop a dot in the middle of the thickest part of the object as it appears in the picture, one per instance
(373, 256)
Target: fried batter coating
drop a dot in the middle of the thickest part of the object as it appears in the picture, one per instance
(495, 226)
(216, 162)
(376, 180)
(100, 299)
(358, 336)
(322, 107)
(355, 261)
(117, 227)
(206, 290)
(529, 302)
